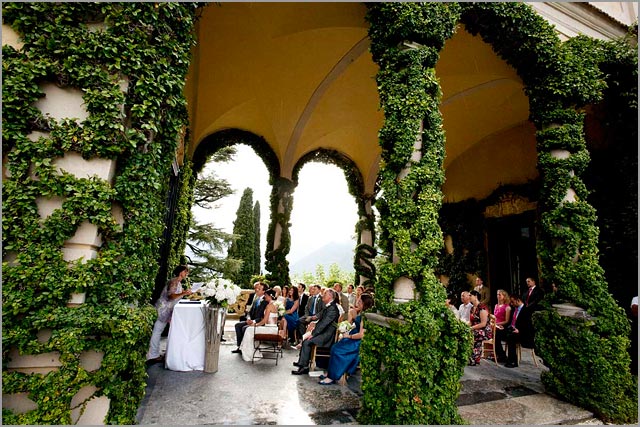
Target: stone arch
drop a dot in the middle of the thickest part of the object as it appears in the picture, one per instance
(228, 137)
(365, 228)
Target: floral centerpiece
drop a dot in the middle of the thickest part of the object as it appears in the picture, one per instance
(281, 308)
(220, 292)
(344, 327)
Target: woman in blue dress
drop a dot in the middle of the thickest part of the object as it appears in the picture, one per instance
(291, 313)
(345, 354)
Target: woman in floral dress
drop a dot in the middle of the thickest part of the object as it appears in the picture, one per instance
(480, 326)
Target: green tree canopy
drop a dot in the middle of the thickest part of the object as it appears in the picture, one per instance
(243, 248)
(206, 242)
(256, 221)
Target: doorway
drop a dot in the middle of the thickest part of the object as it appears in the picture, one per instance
(511, 248)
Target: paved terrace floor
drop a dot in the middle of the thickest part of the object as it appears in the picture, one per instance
(241, 393)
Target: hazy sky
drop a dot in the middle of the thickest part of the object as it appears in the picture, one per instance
(323, 209)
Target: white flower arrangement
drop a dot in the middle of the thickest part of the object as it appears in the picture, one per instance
(345, 326)
(220, 292)
(281, 308)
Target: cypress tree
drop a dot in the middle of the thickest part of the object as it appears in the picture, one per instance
(256, 221)
(243, 247)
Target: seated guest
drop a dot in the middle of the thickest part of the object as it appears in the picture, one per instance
(515, 332)
(323, 333)
(480, 326)
(314, 306)
(256, 312)
(465, 308)
(450, 302)
(502, 309)
(278, 290)
(267, 325)
(250, 300)
(344, 300)
(359, 292)
(290, 321)
(345, 354)
(351, 295)
(303, 299)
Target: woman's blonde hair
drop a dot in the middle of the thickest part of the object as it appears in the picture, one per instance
(505, 294)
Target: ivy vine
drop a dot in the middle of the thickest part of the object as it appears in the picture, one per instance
(146, 46)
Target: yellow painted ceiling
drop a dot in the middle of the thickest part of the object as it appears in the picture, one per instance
(300, 75)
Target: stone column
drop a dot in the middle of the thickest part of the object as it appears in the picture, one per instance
(365, 250)
(278, 237)
(412, 354)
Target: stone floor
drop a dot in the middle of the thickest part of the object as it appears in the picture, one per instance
(242, 393)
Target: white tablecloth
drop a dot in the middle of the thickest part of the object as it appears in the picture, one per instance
(185, 344)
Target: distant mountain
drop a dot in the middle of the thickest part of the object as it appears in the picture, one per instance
(339, 253)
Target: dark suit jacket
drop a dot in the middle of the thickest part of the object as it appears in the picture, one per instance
(303, 304)
(257, 313)
(319, 306)
(524, 327)
(324, 333)
(536, 296)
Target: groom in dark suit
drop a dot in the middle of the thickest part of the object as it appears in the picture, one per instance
(323, 334)
(255, 313)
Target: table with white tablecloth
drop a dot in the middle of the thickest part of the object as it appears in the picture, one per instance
(185, 344)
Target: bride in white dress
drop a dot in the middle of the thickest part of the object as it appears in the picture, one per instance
(268, 325)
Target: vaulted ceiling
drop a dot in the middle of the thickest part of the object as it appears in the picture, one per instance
(300, 75)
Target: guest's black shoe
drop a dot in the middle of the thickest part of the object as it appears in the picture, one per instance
(223, 340)
(237, 351)
(297, 364)
(511, 365)
(159, 359)
(301, 371)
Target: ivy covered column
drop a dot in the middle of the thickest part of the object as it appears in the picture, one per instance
(365, 249)
(585, 350)
(416, 350)
(93, 112)
(278, 236)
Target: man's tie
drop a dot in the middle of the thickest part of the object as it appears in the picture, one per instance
(528, 295)
(515, 315)
(313, 305)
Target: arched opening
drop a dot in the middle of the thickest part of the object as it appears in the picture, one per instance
(324, 206)
(488, 215)
(222, 212)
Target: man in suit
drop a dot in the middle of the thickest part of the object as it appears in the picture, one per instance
(511, 333)
(303, 299)
(313, 307)
(344, 300)
(485, 295)
(532, 296)
(323, 335)
(255, 313)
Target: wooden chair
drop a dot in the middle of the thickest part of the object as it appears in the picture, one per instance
(267, 344)
(533, 354)
(323, 351)
(491, 344)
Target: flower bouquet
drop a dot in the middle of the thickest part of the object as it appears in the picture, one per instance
(281, 308)
(220, 292)
(344, 327)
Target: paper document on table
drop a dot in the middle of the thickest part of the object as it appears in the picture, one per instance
(196, 286)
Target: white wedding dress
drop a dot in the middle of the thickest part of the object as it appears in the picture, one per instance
(246, 346)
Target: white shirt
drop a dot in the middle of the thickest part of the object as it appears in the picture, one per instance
(465, 311)
(634, 301)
